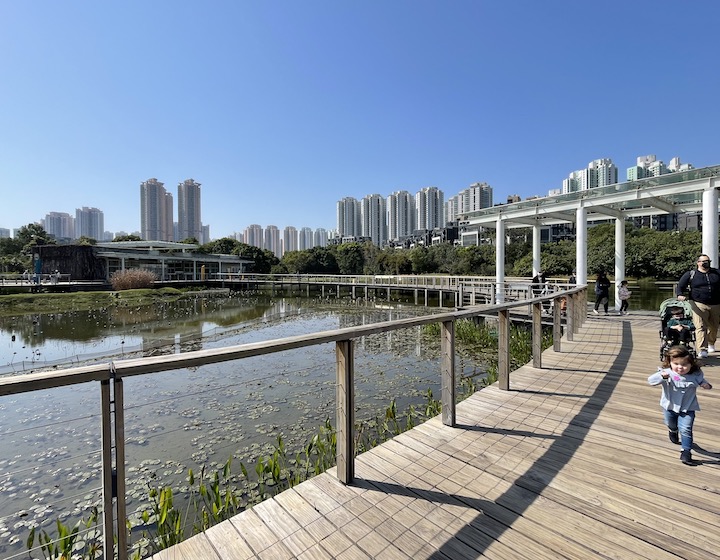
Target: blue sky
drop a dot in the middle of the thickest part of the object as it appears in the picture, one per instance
(280, 108)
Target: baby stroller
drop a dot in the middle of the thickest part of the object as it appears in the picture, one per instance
(667, 308)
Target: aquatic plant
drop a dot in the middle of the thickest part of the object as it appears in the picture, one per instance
(70, 542)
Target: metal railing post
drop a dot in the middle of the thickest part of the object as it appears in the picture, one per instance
(447, 374)
(345, 412)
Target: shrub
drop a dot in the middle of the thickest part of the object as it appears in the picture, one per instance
(132, 279)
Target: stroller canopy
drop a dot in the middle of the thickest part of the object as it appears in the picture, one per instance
(669, 303)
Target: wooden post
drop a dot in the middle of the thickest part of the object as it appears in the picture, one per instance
(537, 334)
(345, 412)
(447, 374)
(121, 506)
(504, 349)
(107, 470)
(571, 317)
(557, 323)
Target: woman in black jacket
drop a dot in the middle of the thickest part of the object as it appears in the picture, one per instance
(602, 292)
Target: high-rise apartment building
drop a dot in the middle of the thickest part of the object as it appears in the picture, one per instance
(348, 217)
(476, 197)
(373, 219)
(254, 236)
(272, 240)
(90, 222)
(430, 206)
(189, 214)
(290, 239)
(649, 166)
(402, 217)
(599, 173)
(320, 237)
(156, 212)
(60, 225)
(4, 233)
(305, 239)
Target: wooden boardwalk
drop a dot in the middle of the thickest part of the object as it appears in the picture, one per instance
(572, 462)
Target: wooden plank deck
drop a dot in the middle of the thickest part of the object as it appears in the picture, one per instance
(572, 462)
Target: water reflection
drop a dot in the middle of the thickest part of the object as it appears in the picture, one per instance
(176, 420)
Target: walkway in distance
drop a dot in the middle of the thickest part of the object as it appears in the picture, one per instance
(572, 462)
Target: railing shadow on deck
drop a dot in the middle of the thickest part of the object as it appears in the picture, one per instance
(546, 468)
(111, 375)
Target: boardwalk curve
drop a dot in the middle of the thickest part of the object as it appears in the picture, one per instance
(572, 462)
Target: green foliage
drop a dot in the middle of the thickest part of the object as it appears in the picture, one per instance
(69, 542)
(350, 258)
(127, 238)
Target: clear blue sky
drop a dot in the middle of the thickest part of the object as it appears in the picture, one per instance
(280, 108)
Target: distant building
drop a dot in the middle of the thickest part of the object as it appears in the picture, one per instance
(254, 236)
(305, 239)
(4, 233)
(348, 217)
(156, 212)
(89, 222)
(649, 166)
(373, 216)
(290, 239)
(430, 207)
(320, 237)
(272, 240)
(402, 216)
(476, 197)
(599, 173)
(189, 211)
(60, 225)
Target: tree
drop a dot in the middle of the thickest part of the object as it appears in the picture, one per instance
(422, 262)
(84, 240)
(224, 246)
(350, 258)
(127, 238)
(263, 259)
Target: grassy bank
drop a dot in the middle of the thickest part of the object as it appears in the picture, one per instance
(22, 304)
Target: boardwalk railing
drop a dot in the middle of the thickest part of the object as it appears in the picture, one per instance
(111, 375)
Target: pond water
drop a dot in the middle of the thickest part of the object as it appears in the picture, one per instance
(176, 420)
(50, 440)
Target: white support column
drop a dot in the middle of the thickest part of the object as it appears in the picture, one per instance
(710, 225)
(500, 260)
(537, 266)
(581, 244)
(619, 257)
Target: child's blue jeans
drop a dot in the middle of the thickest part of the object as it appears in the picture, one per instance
(683, 422)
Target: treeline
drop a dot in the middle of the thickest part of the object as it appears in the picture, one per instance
(648, 254)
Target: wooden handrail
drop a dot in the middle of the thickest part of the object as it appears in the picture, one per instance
(111, 374)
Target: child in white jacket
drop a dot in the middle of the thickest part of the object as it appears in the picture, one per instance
(680, 377)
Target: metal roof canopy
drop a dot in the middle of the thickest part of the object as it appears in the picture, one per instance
(679, 192)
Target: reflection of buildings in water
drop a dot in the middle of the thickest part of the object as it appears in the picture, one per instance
(402, 342)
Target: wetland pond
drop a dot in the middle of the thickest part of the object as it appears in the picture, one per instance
(187, 418)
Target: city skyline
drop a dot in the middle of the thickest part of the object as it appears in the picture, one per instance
(281, 110)
(363, 221)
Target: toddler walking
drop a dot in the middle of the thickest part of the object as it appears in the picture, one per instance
(680, 377)
(624, 294)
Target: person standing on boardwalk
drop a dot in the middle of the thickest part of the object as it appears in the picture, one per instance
(624, 294)
(680, 377)
(602, 292)
(703, 284)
